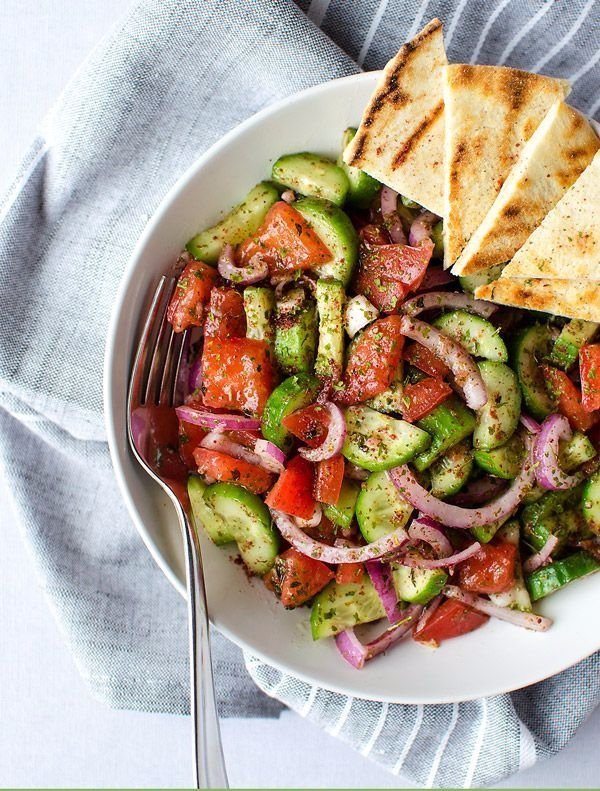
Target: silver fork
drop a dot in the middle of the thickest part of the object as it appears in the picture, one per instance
(154, 383)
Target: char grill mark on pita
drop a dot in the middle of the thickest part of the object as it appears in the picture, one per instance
(572, 298)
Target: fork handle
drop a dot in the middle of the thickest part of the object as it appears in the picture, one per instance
(209, 763)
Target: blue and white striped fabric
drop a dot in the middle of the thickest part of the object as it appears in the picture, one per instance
(171, 79)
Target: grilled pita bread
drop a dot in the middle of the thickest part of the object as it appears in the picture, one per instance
(573, 298)
(490, 113)
(400, 138)
(553, 158)
(567, 243)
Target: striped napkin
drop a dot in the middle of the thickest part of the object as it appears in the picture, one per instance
(171, 79)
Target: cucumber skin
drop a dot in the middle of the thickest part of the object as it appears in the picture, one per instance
(532, 340)
(472, 282)
(450, 324)
(449, 423)
(203, 516)
(258, 556)
(428, 583)
(497, 420)
(312, 175)
(591, 503)
(381, 457)
(363, 188)
(338, 607)
(379, 487)
(572, 337)
(242, 221)
(555, 513)
(334, 228)
(503, 462)
(296, 342)
(342, 513)
(450, 473)
(330, 296)
(547, 580)
(292, 394)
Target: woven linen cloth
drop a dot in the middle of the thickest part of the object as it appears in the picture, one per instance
(168, 82)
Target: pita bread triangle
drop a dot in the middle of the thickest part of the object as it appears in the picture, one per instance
(575, 299)
(567, 243)
(490, 113)
(553, 158)
(400, 139)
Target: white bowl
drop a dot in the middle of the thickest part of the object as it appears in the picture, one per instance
(497, 658)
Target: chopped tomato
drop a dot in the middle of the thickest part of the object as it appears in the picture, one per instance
(223, 467)
(491, 570)
(349, 572)
(226, 317)
(421, 397)
(373, 360)
(325, 531)
(425, 361)
(309, 424)
(451, 619)
(292, 492)
(568, 398)
(374, 234)
(237, 373)
(192, 292)
(589, 370)
(297, 578)
(328, 480)
(157, 427)
(388, 272)
(286, 241)
(190, 436)
(245, 437)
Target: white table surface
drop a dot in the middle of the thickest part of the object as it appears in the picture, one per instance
(52, 732)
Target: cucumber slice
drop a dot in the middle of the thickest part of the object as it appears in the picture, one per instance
(296, 340)
(242, 221)
(337, 233)
(378, 442)
(391, 400)
(418, 586)
(450, 473)
(294, 393)
(551, 578)
(503, 462)
(517, 598)
(259, 307)
(380, 508)
(556, 513)
(591, 503)
(472, 282)
(203, 516)
(330, 297)
(498, 419)
(575, 452)
(478, 336)
(437, 237)
(342, 513)
(248, 521)
(449, 423)
(485, 533)
(338, 607)
(572, 337)
(409, 203)
(363, 187)
(532, 346)
(312, 175)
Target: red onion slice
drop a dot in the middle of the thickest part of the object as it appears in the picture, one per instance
(195, 376)
(356, 473)
(435, 277)
(542, 557)
(357, 653)
(358, 312)
(257, 270)
(205, 419)
(421, 228)
(334, 439)
(548, 472)
(289, 196)
(448, 299)
(428, 611)
(431, 532)
(272, 457)
(292, 280)
(454, 516)
(479, 491)
(417, 562)
(532, 426)
(466, 373)
(216, 440)
(328, 554)
(381, 577)
(389, 212)
(528, 620)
